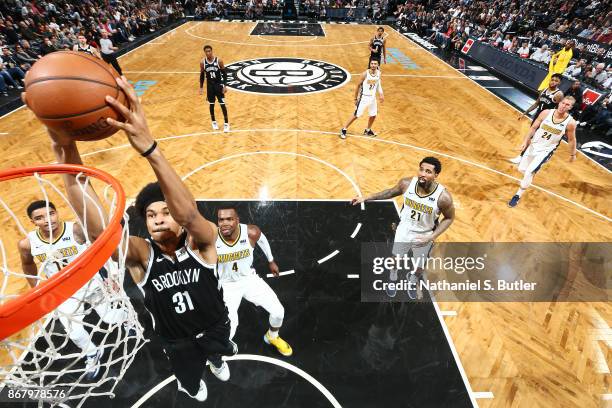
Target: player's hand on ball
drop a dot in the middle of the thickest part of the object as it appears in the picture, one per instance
(135, 125)
(357, 200)
(274, 268)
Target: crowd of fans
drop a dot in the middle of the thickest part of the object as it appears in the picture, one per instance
(32, 29)
(531, 29)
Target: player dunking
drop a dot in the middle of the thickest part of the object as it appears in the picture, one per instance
(424, 199)
(235, 245)
(378, 47)
(55, 243)
(543, 139)
(213, 70)
(547, 99)
(176, 267)
(365, 98)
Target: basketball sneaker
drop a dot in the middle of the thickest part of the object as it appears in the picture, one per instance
(514, 201)
(343, 134)
(226, 127)
(222, 373)
(516, 160)
(369, 132)
(392, 278)
(281, 345)
(413, 282)
(202, 393)
(214, 125)
(92, 366)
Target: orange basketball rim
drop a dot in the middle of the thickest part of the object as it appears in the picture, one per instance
(20, 312)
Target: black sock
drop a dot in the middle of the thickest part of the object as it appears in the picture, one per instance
(224, 109)
(211, 107)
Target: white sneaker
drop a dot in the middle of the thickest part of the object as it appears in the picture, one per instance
(202, 393)
(92, 366)
(214, 125)
(222, 373)
(515, 160)
(226, 127)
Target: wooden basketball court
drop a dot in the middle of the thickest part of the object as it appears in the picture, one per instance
(287, 147)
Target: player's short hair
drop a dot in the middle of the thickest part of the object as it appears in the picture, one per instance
(558, 76)
(207, 47)
(570, 98)
(380, 28)
(38, 204)
(150, 193)
(434, 162)
(227, 207)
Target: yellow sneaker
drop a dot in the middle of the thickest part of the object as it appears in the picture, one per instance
(281, 345)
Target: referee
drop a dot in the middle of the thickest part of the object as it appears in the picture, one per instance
(108, 52)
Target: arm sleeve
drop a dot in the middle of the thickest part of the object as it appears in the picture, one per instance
(265, 247)
(223, 76)
(202, 76)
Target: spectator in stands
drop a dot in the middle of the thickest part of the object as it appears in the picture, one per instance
(587, 32)
(22, 57)
(507, 43)
(11, 62)
(47, 47)
(107, 50)
(542, 54)
(523, 52)
(575, 70)
(576, 91)
(12, 75)
(27, 48)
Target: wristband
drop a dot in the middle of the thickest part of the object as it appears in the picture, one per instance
(150, 149)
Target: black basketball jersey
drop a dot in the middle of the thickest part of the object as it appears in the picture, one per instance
(183, 295)
(87, 49)
(546, 100)
(213, 72)
(377, 46)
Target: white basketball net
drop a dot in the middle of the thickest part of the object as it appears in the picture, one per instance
(43, 361)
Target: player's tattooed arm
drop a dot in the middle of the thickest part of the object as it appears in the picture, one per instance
(394, 191)
(532, 107)
(447, 208)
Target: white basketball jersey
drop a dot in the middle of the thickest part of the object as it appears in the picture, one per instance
(549, 134)
(235, 260)
(371, 83)
(57, 254)
(419, 214)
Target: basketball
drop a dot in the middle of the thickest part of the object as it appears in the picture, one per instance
(66, 91)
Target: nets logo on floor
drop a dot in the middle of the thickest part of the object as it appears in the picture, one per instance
(285, 76)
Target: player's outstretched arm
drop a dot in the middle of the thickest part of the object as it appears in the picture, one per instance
(256, 236)
(394, 191)
(532, 107)
(181, 204)
(66, 151)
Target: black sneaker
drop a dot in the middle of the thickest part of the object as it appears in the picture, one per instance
(369, 132)
(343, 134)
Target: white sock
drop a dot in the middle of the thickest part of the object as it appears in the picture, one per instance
(520, 192)
(273, 334)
